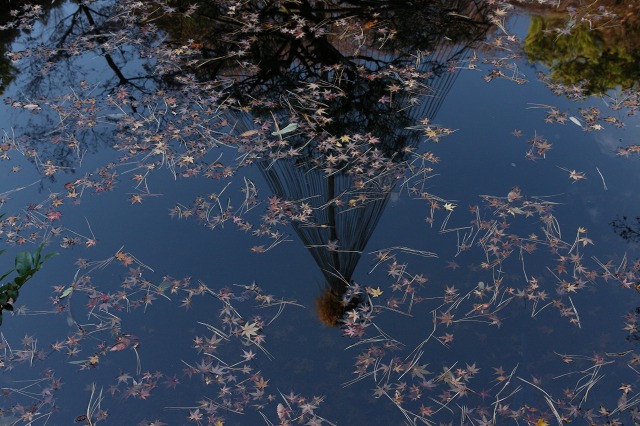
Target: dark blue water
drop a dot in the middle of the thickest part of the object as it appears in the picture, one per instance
(220, 293)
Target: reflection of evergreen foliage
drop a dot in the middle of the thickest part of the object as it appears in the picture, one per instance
(426, 23)
(604, 58)
(7, 70)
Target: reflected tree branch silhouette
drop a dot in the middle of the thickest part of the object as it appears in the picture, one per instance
(59, 63)
(628, 229)
(16, 18)
(350, 112)
(267, 53)
(350, 77)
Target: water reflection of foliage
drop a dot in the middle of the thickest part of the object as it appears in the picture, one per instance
(332, 46)
(593, 49)
(628, 229)
(349, 101)
(15, 20)
(73, 126)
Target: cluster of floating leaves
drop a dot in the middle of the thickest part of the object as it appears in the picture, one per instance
(401, 375)
(591, 118)
(237, 337)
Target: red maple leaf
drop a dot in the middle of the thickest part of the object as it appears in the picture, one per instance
(53, 215)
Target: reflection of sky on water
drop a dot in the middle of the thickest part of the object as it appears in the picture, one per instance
(481, 157)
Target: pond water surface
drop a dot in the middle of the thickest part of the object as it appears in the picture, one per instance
(321, 213)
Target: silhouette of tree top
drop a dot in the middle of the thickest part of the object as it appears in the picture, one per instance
(350, 80)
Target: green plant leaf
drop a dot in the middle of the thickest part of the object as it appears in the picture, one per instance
(290, 128)
(24, 262)
(66, 292)
(36, 256)
(6, 274)
(49, 256)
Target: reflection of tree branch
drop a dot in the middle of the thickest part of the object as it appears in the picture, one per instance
(629, 232)
(73, 27)
(112, 64)
(69, 31)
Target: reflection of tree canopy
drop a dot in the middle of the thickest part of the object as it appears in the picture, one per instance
(337, 70)
(357, 54)
(587, 48)
(17, 18)
(350, 87)
(273, 49)
(252, 53)
(58, 55)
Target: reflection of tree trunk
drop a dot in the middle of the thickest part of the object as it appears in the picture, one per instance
(333, 222)
(350, 227)
(101, 39)
(332, 218)
(347, 202)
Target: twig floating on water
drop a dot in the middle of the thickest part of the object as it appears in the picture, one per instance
(602, 177)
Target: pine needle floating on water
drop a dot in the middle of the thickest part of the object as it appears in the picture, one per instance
(602, 177)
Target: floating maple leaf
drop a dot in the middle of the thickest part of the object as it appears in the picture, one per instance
(250, 330)
(54, 215)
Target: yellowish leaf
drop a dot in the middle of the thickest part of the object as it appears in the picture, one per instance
(248, 133)
(374, 292)
(249, 330)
